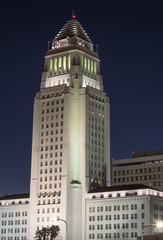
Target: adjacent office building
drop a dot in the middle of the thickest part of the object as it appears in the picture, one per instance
(14, 217)
(119, 212)
(143, 167)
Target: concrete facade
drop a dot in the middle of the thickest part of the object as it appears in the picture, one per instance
(14, 217)
(120, 212)
(71, 134)
(144, 167)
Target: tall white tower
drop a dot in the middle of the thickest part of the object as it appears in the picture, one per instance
(71, 134)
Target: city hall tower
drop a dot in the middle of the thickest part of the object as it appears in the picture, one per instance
(71, 134)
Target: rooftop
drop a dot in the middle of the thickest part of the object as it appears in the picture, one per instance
(140, 158)
(14, 196)
(72, 28)
(121, 188)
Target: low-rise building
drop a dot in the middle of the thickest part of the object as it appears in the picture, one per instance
(143, 167)
(119, 212)
(14, 217)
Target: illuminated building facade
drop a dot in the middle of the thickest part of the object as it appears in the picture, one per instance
(119, 212)
(14, 217)
(143, 167)
(71, 134)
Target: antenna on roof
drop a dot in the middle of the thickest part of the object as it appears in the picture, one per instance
(73, 15)
(48, 45)
(96, 48)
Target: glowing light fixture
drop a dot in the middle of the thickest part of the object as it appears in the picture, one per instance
(157, 225)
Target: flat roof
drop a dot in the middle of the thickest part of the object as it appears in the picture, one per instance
(14, 196)
(137, 160)
(122, 188)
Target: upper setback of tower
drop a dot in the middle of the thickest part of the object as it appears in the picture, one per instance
(72, 47)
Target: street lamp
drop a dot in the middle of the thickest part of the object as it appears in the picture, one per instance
(158, 225)
(60, 219)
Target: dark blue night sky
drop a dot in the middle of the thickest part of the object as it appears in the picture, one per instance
(129, 35)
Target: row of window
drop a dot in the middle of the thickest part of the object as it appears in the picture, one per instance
(50, 170)
(157, 207)
(137, 178)
(50, 140)
(113, 235)
(50, 163)
(99, 128)
(46, 219)
(46, 94)
(96, 105)
(51, 124)
(15, 230)
(50, 178)
(58, 82)
(14, 238)
(50, 186)
(88, 66)
(93, 95)
(62, 65)
(49, 201)
(137, 170)
(116, 217)
(14, 214)
(48, 194)
(113, 226)
(52, 103)
(52, 132)
(59, 65)
(96, 119)
(52, 110)
(51, 147)
(116, 208)
(51, 155)
(16, 222)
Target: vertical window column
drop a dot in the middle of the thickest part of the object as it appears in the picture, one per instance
(85, 65)
(64, 64)
(92, 68)
(95, 69)
(60, 65)
(69, 62)
(51, 67)
(55, 66)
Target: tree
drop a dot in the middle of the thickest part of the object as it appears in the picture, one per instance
(45, 233)
(38, 234)
(42, 234)
(53, 231)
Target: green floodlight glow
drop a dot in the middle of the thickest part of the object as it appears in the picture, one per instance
(85, 65)
(55, 65)
(64, 64)
(95, 68)
(51, 66)
(88, 66)
(60, 64)
(92, 68)
(69, 62)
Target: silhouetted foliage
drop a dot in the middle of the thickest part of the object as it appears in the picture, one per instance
(53, 232)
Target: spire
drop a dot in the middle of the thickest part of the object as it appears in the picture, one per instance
(73, 28)
(72, 33)
(73, 15)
